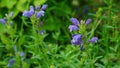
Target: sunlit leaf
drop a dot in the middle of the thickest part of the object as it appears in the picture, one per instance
(39, 2)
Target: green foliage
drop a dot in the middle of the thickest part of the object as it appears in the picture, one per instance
(53, 49)
(39, 2)
(7, 3)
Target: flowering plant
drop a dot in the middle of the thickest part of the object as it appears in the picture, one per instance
(15, 37)
(79, 32)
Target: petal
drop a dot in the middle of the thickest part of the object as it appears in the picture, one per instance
(94, 40)
(73, 28)
(39, 14)
(74, 21)
(88, 21)
(44, 7)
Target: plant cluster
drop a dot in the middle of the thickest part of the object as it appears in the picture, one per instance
(80, 32)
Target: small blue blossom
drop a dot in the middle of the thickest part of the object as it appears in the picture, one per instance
(39, 14)
(3, 21)
(88, 21)
(11, 62)
(94, 40)
(37, 7)
(11, 14)
(29, 13)
(42, 32)
(22, 54)
(73, 28)
(31, 10)
(74, 21)
(44, 7)
(76, 39)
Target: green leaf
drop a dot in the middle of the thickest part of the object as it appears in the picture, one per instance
(8, 3)
(21, 6)
(39, 2)
(99, 65)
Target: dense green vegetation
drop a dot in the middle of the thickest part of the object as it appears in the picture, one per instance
(44, 41)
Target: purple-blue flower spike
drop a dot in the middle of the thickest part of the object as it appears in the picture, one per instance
(74, 21)
(3, 21)
(31, 10)
(94, 40)
(44, 7)
(88, 21)
(73, 28)
(76, 39)
(39, 14)
(11, 62)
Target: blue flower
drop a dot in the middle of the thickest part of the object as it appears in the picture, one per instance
(11, 14)
(44, 7)
(88, 21)
(22, 54)
(37, 7)
(42, 32)
(31, 10)
(29, 13)
(3, 21)
(73, 28)
(39, 14)
(76, 39)
(11, 62)
(94, 40)
(74, 21)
